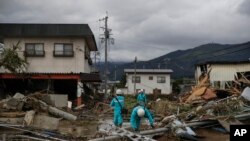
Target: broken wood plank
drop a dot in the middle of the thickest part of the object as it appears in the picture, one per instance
(17, 127)
(79, 107)
(146, 132)
(12, 114)
(199, 91)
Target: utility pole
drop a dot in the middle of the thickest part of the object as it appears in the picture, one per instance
(115, 72)
(106, 40)
(135, 76)
(106, 36)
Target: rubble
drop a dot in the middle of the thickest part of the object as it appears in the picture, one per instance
(208, 107)
(32, 111)
(204, 106)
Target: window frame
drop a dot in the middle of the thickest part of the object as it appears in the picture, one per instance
(64, 54)
(136, 79)
(160, 80)
(35, 54)
(150, 78)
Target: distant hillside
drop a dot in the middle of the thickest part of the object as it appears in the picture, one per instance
(182, 62)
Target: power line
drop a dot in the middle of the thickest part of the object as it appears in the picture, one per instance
(136, 43)
(229, 52)
(217, 51)
(106, 40)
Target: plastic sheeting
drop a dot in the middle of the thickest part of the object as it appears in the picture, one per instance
(246, 93)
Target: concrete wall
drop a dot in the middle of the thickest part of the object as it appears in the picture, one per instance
(60, 100)
(49, 63)
(149, 85)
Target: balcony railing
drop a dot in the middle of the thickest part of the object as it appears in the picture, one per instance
(63, 53)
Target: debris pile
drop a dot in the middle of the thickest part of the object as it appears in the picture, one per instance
(40, 116)
(206, 106)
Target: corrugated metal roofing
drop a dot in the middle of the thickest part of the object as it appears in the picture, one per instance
(85, 77)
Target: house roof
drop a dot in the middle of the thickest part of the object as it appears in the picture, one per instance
(224, 62)
(148, 71)
(48, 30)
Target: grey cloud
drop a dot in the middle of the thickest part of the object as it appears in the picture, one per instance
(245, 7)
(143, 28)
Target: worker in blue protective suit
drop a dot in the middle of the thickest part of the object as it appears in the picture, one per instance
(118, 103)
(137, 114)
(141, 98)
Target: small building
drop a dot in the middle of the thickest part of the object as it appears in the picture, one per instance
(58, 57)
(149, 80)
(222, 74)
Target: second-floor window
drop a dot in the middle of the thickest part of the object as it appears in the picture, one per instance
(63, 50)
(161, 79)
(34, 49)
(150, 78)
(136, 79)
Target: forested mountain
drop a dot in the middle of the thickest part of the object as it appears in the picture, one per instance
(182, 62)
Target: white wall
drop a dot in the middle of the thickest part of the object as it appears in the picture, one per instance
(226, 72)
(223, 72)
(149, 85)
(49, 63)
(124, 90)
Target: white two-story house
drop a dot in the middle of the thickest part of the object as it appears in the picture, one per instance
(58, 57)
(148, 80)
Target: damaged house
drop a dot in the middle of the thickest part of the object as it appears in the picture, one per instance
(58, 57)
(222, 73)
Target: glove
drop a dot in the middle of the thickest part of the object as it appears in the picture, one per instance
(153, 126)
(136, 130)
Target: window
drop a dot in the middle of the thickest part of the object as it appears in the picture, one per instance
(1, 48)
(161, 79)
(63, 50)
(203, 68)
(217, 84)
(34, 49)
(87, 53)
(150, 78)
(136, 80)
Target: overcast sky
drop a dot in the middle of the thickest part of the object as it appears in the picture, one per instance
(142, 28)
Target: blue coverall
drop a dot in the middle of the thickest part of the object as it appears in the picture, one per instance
(141, 99)
(135, 120)
(117, 110)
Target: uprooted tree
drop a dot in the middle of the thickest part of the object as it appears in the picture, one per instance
(11, 61)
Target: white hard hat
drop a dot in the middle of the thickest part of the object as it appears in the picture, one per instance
(118, 91)
(140, 90)
(140, 112)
